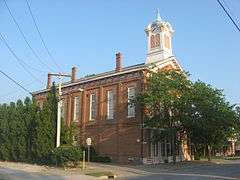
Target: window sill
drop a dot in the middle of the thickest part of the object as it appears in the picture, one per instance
(130, 117)
(91, 123)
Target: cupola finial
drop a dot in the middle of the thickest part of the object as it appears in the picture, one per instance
(158, 18)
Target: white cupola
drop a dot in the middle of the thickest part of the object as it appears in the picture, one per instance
(159, 40)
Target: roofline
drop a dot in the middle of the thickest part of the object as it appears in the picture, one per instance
(125, 70)
(98, 76)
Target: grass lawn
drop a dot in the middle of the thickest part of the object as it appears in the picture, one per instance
(220, 160)
(99, 174)
(232, 158)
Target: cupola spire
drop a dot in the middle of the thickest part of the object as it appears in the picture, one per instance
(158, 17)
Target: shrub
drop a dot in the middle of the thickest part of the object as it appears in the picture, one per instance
(94, 157)
(197, 157)
(65, 156)
(104, 159)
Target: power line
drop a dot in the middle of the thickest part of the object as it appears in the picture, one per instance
(24, 37)
(228, 14)
(40, 35)
(20, 61)
(15, 91)
(231, 13)
(15, 82)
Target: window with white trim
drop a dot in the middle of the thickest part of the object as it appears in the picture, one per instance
(93, 107)
(131, 106)
(110, 104)
(76, 109)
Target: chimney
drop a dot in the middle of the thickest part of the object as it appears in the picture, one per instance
(74, 74)
(49, 81)
(118, 62)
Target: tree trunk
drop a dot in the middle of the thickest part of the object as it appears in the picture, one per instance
(209, 152)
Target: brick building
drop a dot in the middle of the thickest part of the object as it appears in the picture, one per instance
(99, 104)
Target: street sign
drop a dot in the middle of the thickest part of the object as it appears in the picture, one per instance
(89, 141)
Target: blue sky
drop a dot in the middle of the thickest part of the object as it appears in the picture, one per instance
(87, 34)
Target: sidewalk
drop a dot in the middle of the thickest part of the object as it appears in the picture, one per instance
(19, 170)
(14, 174)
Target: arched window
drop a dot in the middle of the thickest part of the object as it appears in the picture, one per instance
(152, 41)
(157, 39)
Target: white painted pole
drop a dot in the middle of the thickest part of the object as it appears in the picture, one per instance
(59, 113)
(84, 165)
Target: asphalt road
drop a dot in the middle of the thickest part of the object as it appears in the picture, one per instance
(180, 176)
(195, 172)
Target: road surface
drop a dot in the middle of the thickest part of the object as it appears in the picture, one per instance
(229, 171)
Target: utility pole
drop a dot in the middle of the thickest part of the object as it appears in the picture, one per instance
(60, 76)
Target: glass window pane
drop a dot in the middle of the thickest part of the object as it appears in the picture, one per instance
(93, 107)
(110, 105)
(131, 107)
(76, 115)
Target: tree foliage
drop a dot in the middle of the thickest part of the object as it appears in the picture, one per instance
(212, 121)
(162, 101)
(28, 133)
(174, 105)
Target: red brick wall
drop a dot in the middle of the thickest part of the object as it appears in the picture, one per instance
(116, 138)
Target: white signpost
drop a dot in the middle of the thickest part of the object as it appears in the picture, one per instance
(89, 143)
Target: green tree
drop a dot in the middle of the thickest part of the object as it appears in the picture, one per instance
(45, 127)
(20, 134)
(28, 133)
(212, 119)
(163, 100)
(5, 145)
(174, 106)
(67, 133)
(31, 114)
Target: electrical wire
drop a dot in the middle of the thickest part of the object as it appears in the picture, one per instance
(15, 82)
(41, 36)
(25, 38)
(228, 14)
(20, 61)
(15, 91)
